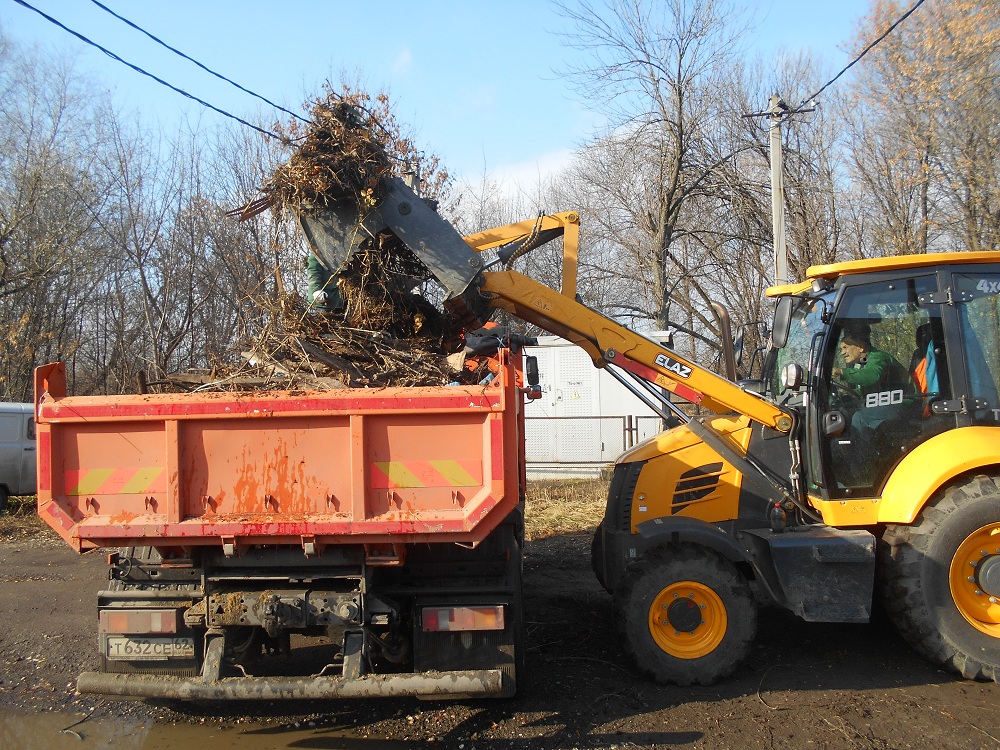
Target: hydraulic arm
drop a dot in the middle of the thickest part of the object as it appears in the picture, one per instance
(604, 340)
(335, 235)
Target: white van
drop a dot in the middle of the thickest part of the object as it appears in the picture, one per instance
(17, 451)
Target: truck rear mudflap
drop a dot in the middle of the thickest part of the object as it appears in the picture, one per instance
(451, 685)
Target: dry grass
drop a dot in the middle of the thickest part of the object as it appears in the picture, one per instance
(21, 521)
(564, 506)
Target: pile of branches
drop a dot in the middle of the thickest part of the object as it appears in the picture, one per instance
(340, 159)
(376, 286)
(302, 351)
(386, 333)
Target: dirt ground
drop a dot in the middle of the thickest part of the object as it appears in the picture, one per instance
(805, 685)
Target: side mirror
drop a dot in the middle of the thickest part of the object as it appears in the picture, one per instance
(782, 322)
(531, 370)
(792, 376)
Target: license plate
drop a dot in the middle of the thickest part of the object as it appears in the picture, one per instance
(120, 648)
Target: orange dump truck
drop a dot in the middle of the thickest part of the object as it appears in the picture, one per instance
(349, 543)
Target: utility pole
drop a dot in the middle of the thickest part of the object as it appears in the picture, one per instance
(776, 110)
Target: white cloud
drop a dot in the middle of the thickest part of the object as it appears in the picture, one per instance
(528, 174)
(403, 62)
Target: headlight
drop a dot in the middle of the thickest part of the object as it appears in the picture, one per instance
(791, 377)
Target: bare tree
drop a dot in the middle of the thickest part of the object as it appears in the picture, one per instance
(659, 71)
(51, 136)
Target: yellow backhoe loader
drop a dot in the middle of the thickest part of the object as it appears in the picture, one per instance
(865, 463)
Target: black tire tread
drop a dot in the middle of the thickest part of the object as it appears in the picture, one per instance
(900, 561)
(597, 558)
(708, 567)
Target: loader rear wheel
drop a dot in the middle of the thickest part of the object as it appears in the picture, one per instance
(940, 579)
(688, 616)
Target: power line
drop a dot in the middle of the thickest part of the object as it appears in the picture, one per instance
(191, 59)
(137, 69)
(864, 52)
(357, 105)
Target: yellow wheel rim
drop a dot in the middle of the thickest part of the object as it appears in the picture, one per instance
(977, 606)
(688, 620)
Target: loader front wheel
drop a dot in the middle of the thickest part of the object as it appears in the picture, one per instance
(688, 616)
(940, 579)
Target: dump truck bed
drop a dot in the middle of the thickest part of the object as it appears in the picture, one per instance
(380, 467)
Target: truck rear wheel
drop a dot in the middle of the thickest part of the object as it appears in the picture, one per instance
(688, 616)
(515, 671)
(940, 579)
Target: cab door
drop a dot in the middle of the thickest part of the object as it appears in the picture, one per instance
(872, 410)
(29, 454)
(17, 450)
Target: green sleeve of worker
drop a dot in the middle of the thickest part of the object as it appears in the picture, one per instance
(877, 364)
(316, 274)
(320, 279)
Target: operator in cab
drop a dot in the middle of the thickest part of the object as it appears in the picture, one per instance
(875, 380)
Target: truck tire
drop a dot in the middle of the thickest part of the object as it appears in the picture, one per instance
(515, 671)
(688, 616)
(597, 558)
(4, 497)
(940, 578)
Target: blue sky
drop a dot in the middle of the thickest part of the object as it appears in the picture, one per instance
(475, 79)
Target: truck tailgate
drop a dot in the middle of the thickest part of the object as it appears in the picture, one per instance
(376, 467)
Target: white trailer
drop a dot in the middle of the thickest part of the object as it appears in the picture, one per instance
(585, 418)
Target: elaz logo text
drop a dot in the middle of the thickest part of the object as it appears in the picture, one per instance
(674, 366)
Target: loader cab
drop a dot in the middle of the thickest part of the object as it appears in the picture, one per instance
(891, 357)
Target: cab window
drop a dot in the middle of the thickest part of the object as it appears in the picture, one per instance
(979, 322)
(806, 326)
(884, 365)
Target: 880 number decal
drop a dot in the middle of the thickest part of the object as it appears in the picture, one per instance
(884, 398)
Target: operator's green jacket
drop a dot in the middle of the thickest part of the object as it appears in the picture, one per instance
(880, 372)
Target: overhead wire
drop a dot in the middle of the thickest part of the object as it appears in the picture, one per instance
(787, 112)
(200, 65)
(371, 115)
(864, 52)
(146, 73)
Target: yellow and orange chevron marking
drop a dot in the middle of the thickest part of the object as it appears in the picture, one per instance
(445, 473)
(116, 481)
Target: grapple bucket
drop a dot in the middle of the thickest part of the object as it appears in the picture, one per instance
(336, 234)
